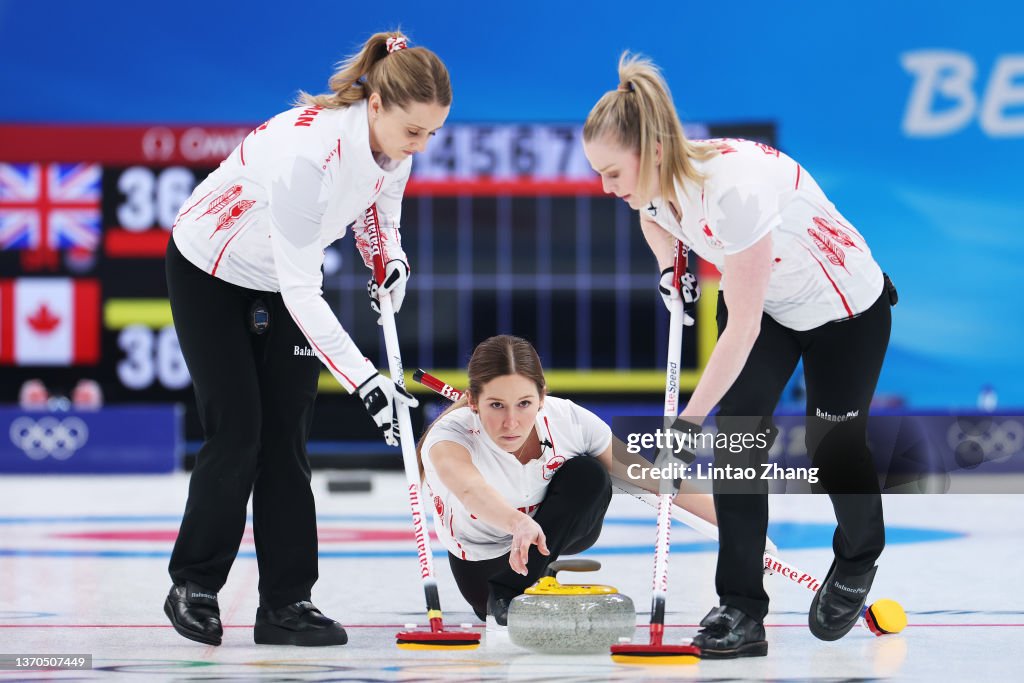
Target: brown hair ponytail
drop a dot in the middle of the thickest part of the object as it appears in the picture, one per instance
(492, 358)
(400, 77)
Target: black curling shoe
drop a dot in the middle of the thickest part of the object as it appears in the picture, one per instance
(299, 623)
(194, 613)
(838, 603)
(498, 608)
(728, 633)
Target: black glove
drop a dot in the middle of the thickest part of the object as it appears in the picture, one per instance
(685, 288)
(396, 276)
(680, 452)
(380, 396)
(690, 433)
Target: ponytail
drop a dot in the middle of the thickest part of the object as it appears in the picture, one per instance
(461, 403)
(639, 115)
(399, 74)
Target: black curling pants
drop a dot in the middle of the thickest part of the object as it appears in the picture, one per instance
(571, 515)
(255, 395)
(842, 362)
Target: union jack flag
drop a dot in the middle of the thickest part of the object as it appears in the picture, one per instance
(49, 206)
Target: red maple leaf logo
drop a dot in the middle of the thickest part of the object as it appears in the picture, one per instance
(43, 321)
(551, 466)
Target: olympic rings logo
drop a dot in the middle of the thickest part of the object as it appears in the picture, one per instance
(49, 436)
(974, 442)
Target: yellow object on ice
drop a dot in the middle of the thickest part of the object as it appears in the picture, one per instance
(440, 645)
(549, 585)
(656, 659)
(885, 617)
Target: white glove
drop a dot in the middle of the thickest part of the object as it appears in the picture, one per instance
(686, 288)
(396, 275)
(380, 396)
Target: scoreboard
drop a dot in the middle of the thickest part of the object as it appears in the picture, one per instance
(505, 225)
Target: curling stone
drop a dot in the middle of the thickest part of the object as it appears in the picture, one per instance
(556, 618)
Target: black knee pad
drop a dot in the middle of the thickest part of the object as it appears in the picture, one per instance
(586, 473)
(583, 493)
(582, 480)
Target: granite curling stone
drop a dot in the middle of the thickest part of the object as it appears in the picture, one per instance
(555, 618)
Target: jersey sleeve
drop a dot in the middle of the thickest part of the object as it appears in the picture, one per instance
(743, 215)
(447, 430)
(297, 204)
(595, 435)
(383, 218)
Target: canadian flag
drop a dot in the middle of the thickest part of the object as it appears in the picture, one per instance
(49, 321)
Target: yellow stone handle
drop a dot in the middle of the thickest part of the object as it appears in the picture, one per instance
(577, 565)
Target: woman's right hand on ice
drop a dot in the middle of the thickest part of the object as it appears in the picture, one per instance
(525, 533)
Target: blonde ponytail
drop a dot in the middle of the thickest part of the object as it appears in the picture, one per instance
(639, 115)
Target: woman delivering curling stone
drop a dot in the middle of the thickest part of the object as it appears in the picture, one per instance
(244, 279)
(504, 469)
(798, 281)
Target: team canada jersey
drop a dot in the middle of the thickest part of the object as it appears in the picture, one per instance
(822, 269)
(263, 219)
(565, 429)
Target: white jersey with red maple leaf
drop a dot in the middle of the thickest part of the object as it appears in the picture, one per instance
(565, 429)
(822, 268)
(292, 187)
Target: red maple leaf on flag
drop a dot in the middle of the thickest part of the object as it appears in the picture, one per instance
(43, 321)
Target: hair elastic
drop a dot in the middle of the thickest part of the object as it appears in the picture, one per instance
(398, 42)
